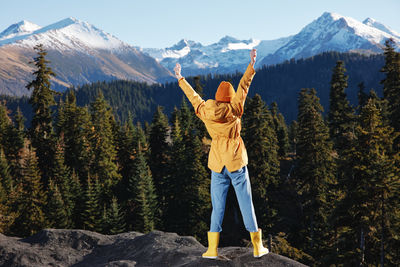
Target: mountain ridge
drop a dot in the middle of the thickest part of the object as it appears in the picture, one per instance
(82, 53)
(329, 32)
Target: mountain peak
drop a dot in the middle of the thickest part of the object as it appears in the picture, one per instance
(228, 39)
(368, 21)
(369, 29)
(329, 17)
(27, 25)
(333, 15)
(184, 43)
(20, 28)
(380, 26)
(180, 45)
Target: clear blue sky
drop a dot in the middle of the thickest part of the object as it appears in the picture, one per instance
(162, 23)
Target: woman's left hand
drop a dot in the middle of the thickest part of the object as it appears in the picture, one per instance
(253, 55)
(177, 70)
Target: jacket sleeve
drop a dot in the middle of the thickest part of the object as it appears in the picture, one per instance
(194, 98)
(243, 88)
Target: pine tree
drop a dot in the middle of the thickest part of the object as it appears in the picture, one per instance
(262, 147)
(186, 116)
(314, 174)
(125, 157)
(174, 122)
(104, 154)
(105, 221)
(42, 98)
(144, 199)
(92, 219)
(78, 200)
(362, 95)
(75, 124)
(61, 178)
(56, 213)
(116, 221)
(140, 137)
(280, 129)
(341, 114)
(391, 86)
(341, 121)
(29, 199)
(159, 155)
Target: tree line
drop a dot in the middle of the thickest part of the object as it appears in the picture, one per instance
(325, 188)
(280, 83)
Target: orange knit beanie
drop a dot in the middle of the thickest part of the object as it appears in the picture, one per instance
(225, 92)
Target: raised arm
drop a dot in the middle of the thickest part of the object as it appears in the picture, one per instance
(244, 84)
(194, 98)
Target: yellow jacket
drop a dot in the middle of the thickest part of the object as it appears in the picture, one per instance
(223, 123)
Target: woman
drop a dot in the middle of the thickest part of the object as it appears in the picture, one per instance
(228, 157)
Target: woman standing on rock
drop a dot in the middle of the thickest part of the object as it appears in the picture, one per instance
(228, 157)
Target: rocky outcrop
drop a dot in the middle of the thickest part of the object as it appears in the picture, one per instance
(58, 247)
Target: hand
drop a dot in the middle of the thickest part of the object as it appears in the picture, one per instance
(253, 55)
(177, 70)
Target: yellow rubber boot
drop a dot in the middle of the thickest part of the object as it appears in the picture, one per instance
(259, 249)
(213, 240)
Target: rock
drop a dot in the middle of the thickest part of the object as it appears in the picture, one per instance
(78, 248)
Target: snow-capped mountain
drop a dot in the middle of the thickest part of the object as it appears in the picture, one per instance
(79, 53)
(329, 32)
(332, 32)
(227, 55)
(67, 34)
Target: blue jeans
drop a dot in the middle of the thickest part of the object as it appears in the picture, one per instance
(219, 188)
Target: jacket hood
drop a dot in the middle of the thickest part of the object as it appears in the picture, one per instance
(225, 92)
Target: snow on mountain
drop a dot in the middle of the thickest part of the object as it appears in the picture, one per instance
(79, 53)
(227, 55)
(376, 24)
(21, 28)
(331, 32)
(67, 34)
(82, 53)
